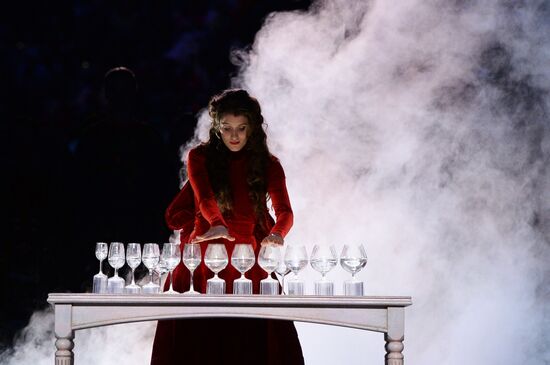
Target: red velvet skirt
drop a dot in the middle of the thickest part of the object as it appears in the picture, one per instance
(224, 340)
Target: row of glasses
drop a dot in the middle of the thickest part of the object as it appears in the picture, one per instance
(323, 259)
(153, 259)
(242, 258)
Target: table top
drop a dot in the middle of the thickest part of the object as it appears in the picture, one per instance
(90, 299)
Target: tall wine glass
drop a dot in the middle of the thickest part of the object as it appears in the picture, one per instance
(191, 259)
(100, 279)
(115, 285)
(150, 258)
(281, 271)
(133, 259)
(161, 269)
(269, 258)
(353, 259)
(216, 259)
(296, 260)
(242, 259)
(323, 259)
(171, 257)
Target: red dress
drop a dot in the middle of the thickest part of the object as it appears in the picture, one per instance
(226, 340)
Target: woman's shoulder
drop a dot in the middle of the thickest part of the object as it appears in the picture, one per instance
(274, 159)
(198, 151)
(274, 166)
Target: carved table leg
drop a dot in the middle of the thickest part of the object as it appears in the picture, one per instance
(64, 334)
(64, 354)
(395, 335)
(394, 351)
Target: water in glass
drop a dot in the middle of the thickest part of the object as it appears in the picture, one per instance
(150, 258)
(191, 259)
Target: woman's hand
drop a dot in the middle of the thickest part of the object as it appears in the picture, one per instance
(273, 239)
(213, 233)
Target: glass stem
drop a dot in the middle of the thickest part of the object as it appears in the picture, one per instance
(100, 271)
(151, 276)
(191, 287)
(133, 281)
(171, 288)
(116, 272)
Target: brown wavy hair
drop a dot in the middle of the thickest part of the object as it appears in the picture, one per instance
(237, 102)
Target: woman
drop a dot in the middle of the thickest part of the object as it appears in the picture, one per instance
(231, 177)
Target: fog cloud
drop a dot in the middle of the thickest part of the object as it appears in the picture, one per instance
(419, 128)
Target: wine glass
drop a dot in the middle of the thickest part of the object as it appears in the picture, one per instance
(269, 259)
(115, 285)
(133, 259)
(353, 259)
(242, 259)
(100, 279)
(281, 271)
(150, 258)
(171, 257)
(216, 259)
(191, 260)
(323, 259)
(161, 269)
(296, 260)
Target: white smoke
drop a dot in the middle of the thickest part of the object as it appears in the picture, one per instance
(419, 128)
(125, 344)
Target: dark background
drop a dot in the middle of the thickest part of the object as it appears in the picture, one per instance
(69, 177)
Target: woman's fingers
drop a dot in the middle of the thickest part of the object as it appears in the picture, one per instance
(212, 236)
(273, 239)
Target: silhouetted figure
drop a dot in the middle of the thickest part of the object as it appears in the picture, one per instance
(124, 175)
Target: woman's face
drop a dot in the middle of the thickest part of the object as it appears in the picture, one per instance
(234, 130)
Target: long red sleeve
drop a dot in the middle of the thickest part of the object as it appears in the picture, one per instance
(204, 196)
(180, 214)
(276, 188)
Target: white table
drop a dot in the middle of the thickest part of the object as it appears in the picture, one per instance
(78, 311)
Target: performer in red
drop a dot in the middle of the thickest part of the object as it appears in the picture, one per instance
(231, 176)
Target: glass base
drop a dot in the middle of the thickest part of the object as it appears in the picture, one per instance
(115, 285)
(295, 287)
(150, 288)
(269, 287)
(132, 289)
(242, 286)
(353, 288)
(324, 287)
(215, 286)
(171, 292)
(100, 284)
(191, 292)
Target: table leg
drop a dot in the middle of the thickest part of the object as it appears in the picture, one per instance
(64, 334)
(395, 335)
(394, 351)
(64, 354)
